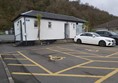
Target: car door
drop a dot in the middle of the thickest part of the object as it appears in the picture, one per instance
(86, 38)
(91, 39)
(83, 38)
(94, 39)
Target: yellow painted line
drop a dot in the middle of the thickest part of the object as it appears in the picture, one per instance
(73, 67)
(15, 59)
(107, 76)
(74, 75)
(99, 57)
(35, 63)
(21, 64)
(79, 51)
(94, 67)
(68, 54)
(21, 73)
(61, 75)
(112, 54)
(105, 61)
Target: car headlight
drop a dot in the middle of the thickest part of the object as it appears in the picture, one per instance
(108, 40)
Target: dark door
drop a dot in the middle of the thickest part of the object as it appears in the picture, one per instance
(21, 32)
(66, 30)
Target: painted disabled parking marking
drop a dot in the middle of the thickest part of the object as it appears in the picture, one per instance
(82, 65)
(105, 77)
(56, 58)
(46, 68)
(56, 73)
(91, 50)
(35, 63)
(67, 54)
(73, 75)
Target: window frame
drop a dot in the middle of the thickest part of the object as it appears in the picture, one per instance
(35, 23)
(49, 24)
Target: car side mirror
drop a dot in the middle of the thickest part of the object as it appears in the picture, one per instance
(94, 36)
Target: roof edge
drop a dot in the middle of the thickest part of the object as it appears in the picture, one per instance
(25, 15)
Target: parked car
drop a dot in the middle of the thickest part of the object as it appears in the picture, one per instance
(109, 34)
(94, 38)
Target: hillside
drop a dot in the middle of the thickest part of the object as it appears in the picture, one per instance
(9, 9)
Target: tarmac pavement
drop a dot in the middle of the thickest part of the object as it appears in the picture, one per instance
(61, 63)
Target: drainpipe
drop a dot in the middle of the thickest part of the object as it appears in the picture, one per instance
(25, 30)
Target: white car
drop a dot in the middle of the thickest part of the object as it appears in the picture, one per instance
(94, 38)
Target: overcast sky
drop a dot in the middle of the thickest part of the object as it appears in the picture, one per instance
(110, 6)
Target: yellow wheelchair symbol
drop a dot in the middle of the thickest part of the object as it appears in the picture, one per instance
(55, 58)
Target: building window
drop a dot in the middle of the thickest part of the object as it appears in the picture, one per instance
(35, 23)
(18, 23)
(49, 24)
(27, 19)
(73, 26)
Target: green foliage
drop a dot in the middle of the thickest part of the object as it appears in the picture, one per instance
(1, 33)
(39, 19)
(9, 9)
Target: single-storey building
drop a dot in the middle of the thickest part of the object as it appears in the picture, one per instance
(111, 26)
(34, 25)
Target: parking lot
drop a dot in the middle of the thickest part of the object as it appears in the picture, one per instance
(61, 63)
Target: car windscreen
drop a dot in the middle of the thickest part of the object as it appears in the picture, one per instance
(113, 33)
(97, 35)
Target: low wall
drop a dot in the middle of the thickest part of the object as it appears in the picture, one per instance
(6, 38)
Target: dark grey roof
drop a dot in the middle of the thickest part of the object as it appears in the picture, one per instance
(47, 15)
(110, 24)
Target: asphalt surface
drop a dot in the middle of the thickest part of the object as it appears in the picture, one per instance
(60, 63)
(3, 76)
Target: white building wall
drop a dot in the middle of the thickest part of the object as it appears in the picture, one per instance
(72, 26)
(23, 29)
(17, 30)
(79, 28)
(31, 30)
(56, 31)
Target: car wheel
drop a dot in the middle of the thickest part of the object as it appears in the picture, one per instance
(79, 41)
(116, 41)
(102, 43)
